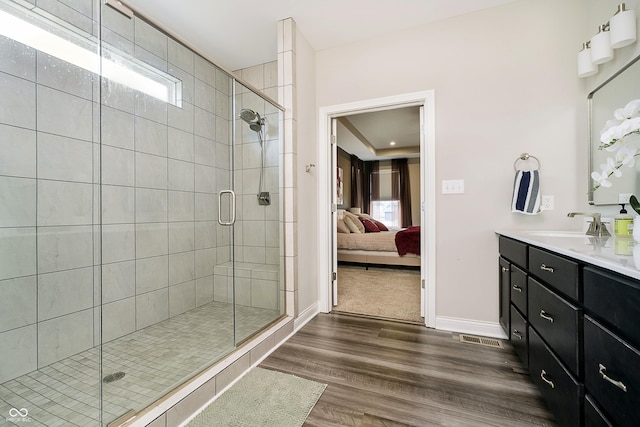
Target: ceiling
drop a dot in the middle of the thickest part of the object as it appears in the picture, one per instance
(241, 33)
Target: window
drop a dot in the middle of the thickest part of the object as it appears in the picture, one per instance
(386, 211)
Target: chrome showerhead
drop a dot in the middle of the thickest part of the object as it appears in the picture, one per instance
(252, 118)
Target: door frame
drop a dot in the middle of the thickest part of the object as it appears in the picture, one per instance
(426, 99)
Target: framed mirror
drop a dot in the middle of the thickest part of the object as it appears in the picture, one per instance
(614, 93)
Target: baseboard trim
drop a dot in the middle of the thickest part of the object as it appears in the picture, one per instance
(468, 326)
(304, 317)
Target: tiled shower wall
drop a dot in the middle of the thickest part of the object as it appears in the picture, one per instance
(161, 169)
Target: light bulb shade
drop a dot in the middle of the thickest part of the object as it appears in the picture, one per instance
(601, 50)
(622, 28)
(586, 67)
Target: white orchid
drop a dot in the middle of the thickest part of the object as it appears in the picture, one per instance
(619, 136)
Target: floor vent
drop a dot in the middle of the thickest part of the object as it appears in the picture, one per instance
(489, 342)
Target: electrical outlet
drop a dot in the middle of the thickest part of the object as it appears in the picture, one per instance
(547, 203)
(624, 198)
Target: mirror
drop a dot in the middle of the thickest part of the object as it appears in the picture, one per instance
(614, 93)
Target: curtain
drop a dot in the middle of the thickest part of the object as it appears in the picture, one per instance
(401, 189)
(372, 184)
(357, 174)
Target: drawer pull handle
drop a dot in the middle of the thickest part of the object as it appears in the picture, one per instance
(505, 270)
(517, 288)
(605, 377)
(546, 316)
(542, 375)
(517, 334)
(545, 268)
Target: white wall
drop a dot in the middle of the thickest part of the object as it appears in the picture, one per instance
(505, 83)
(306, 182)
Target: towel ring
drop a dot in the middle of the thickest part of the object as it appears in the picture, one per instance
(524, 157)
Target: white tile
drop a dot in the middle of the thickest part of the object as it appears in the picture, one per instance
(117, 128)
(64, 336)
(264, 294)
(151, 274)
(205, 207)
(181, 56)
(64, 76)
(181, 206)
(223, 136)
(254, 76)
(251, 155)
(63, 248)
(181, 175)
(17, 202)
(181, 237)
(221, 288)
(205, 234)
(151, 205)
(149, 107)
(182, 118)
(118, 166)
(20, 59)
(118, 319)
(205, 123)
(180, 145)
(204, 290)
(271, 74)
(151, 39)
(18, 106)
(18, 148)
(182, 298)
(150, 137)
(205, 179)
(75, 120)
(118, 243)
(118, 96)
(205, 71)
(17, 252)
(254, 233)
(223, 107)
(185, 93)
(118, 281)
(118, 204)
(152, 240)
(181, 267)
(152, 308)
(242, 291)
(64, 158)
(205, 260)
(18, 300)
(205, 96)
(64, 203)
(151, 171)
(64, 292)
(223, 81)
(205, 151)
(255, 254)
(18, 351)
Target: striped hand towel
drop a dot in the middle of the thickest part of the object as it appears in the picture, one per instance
(526, 193)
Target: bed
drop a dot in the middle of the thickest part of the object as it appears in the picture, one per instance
(396, 247)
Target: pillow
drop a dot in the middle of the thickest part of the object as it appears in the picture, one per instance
(355, 220)
(342, 227)
(369, 226)
(352, 227)
(381, 226)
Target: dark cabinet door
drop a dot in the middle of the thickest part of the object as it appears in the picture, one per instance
(505, 295)
(520, 335)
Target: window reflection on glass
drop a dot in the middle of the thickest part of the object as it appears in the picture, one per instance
(387, 212)
(385, 200)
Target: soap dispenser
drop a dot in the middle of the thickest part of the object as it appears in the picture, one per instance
(623, 223)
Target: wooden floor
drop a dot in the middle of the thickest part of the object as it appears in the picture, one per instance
(382, 373)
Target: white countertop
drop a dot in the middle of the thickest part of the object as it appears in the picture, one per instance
(618, 254)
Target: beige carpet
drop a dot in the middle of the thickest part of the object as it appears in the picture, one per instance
(380, 292)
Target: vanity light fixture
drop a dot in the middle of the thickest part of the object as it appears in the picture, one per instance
(620, 31)
(623, 27)
(601, 50)
(35, 29)
(586, 67)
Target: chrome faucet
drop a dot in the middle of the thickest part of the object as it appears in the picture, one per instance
(596, 227)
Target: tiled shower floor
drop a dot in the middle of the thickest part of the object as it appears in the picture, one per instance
(154, 360)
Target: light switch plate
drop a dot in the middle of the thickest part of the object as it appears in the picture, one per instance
(453, 186)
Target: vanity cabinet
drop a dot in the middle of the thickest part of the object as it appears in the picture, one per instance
(575, 325)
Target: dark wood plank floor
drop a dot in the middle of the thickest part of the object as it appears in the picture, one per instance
(382, 373)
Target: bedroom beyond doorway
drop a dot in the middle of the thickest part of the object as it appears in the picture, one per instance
(379, 291)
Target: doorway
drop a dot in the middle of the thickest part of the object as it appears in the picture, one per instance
(328, 285)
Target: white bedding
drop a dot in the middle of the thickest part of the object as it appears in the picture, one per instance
(383, 241)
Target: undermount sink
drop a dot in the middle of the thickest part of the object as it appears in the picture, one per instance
(557, 233)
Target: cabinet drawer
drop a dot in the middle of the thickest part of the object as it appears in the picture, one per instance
(605, 294)
(612, 374)
(513, 250)
(520, 336)
(593, 416)
(519, 289)
(563, 394)
(558, 272)
(558, 322)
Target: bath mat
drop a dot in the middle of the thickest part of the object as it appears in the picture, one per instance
(262, 398)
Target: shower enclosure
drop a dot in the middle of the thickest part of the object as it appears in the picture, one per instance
(140, 213)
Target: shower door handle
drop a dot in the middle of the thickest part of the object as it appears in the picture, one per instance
(233, 207)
